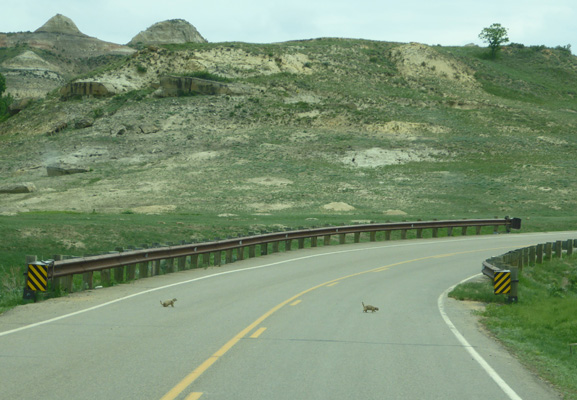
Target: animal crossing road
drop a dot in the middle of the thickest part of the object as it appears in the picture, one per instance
(283, 326)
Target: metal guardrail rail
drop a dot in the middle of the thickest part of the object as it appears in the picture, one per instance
(84, 265)
(528, 256)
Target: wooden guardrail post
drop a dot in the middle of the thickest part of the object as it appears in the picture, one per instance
(548, 251)
(449, 231)
(373, 236)
(119, 271)
(217, 258)
(435, 232)
(288, 244)
(342, 238)
(181, 263)
(252, 251)
(559, 249)
(327, 240)
(520, 260)
(478, 230)
(539, 251)
(264, 249)
(357, 237)
(532, 252)
(569, 247)
(240, 253)
(194, 261)
(419, 233)
(229, 256)
(404, 234)
(388, 235)
(464, 231)
(205, 260)
(314, 240)
(275, 246)
(301, 243)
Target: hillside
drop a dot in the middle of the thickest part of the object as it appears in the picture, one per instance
(310, 127)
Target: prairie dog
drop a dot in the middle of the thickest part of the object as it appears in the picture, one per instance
(168, 303)
(370, 308)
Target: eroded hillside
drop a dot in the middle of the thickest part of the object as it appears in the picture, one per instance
(369, 127)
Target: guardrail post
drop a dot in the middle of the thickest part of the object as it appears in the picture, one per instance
(229, 256)
(532, 255)
(450, 231)
(313, 241)
(373, 236)
(435, 232)
(301, 242)
(119, 271)
(251, 251)
(240, 253)
(464, 231)
(569, 247)
(142, 270)
(404, 234)
(357, 237)
(194, 261)
(327, 240)
(558, 249)
(276, 250)
(218, 258)
(513, 295)
(419, 233)
(264, 249)
(539, 251)
(520, 260)
(169, 265)
(548, 251)
(388, 235)
(205, 260)
(342, 238)
(478, 230)
(288, 244)
(181, 262)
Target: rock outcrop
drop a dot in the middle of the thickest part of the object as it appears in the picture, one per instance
(60, 24)
(173, 31)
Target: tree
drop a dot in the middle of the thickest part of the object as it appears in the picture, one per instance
(495, 36)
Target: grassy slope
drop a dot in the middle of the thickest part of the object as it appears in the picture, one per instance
(511, 153)
(540, 326)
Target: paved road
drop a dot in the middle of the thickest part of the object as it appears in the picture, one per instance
(284, 326)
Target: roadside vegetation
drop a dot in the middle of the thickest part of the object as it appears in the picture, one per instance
(539, 328)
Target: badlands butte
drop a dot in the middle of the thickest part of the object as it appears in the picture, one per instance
(170, 123)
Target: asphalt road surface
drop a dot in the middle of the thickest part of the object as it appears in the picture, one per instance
(283, 326)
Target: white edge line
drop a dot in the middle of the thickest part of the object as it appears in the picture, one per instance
(484, 364)
(230, 272)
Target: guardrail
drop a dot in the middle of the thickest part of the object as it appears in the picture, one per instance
(140, 263)
(528, 256)
(515, 260)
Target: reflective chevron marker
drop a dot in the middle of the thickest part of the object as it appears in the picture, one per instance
(37, 277)
(502, 282)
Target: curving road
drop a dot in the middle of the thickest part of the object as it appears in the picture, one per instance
(285, 326)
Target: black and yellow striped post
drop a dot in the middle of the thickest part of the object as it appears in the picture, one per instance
(505, 282)
(502, 282)
(36, 279)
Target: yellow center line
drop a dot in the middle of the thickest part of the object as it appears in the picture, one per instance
(333, 284)
(295, 303)
(190, 378)
(193, 396)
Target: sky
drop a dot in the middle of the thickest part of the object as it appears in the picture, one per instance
(433, 22)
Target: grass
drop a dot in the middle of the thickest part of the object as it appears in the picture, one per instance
(541, 325)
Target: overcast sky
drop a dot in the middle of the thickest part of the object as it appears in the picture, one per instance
(445, 22)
